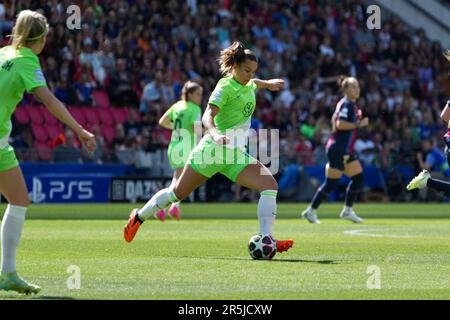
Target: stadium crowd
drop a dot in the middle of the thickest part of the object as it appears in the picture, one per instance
(141, 52)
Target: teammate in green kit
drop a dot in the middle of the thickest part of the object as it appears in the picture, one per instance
(182, 117)
(20, 71)
(226, 118)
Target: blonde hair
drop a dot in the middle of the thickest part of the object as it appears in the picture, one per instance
(188, 88)
(234, 54)
(30, 27)
(344, 82)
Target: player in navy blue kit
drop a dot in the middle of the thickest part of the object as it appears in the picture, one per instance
(341, 160)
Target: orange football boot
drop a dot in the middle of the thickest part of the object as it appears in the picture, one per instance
(284, 245)
(132, 226)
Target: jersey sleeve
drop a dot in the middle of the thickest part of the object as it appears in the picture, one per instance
(253, 85)
(31, 74)
(219, 96)
(347, 113)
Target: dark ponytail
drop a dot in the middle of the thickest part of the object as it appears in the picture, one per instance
(234, 54)
(188, 88)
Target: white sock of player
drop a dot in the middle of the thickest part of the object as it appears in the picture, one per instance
(12, 225)
(267, 211)
(159, 201)
(172, 185)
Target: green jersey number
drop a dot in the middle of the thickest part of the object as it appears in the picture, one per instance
(6, 65)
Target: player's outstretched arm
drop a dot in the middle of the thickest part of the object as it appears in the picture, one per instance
(165, 121)
(58, 109)
(272, 84)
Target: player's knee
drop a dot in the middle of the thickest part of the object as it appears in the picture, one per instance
(270, 184)
(358, 182)
(329, 185)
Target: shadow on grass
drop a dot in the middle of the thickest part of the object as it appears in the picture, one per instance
(33, 297)
(274, 260)
(52, 298)
(307, 261)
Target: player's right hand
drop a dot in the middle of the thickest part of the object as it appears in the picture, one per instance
(220, 139)
(88, 140)
(364, 122)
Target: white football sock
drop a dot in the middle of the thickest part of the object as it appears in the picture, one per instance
(172, 185)
(12, 225)
(267, 211)
(159, 201)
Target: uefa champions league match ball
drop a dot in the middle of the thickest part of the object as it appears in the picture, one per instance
(262, 247)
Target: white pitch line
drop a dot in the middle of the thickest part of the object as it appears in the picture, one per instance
(360, 233)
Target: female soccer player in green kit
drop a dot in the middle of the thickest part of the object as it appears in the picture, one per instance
(20, 71)
(182, 118)
(226, 118)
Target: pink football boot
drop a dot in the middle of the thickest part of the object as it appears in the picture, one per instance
(175, 212)
(161, 215)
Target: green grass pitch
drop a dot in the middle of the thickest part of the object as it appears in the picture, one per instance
(204, 256)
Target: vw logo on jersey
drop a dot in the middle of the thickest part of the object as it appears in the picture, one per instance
(248, 109)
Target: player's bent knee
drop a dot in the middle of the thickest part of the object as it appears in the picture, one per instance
(270, 184)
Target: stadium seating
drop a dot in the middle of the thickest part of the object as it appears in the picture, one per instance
(108, 133)
(48, 117)
(21, 115)
(91, 116)
(77, 114)
(43, 150)
(101, 98)
(39, 132)
(120, 115)
(54, 130)
(36, 114)
(105, 115)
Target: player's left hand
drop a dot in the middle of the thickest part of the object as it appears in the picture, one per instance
(88, 140)
(275, 84)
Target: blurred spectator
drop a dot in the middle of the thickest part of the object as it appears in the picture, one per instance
(132, 127)
(106, 58)
(65, 93)
(121, 91)
(365, 148)
(84, 89)
(88, 55)
(432, 158)
(125, 152)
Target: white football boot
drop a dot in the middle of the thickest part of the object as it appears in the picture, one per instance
(310, 215)
(348, 214)
(420, 181)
